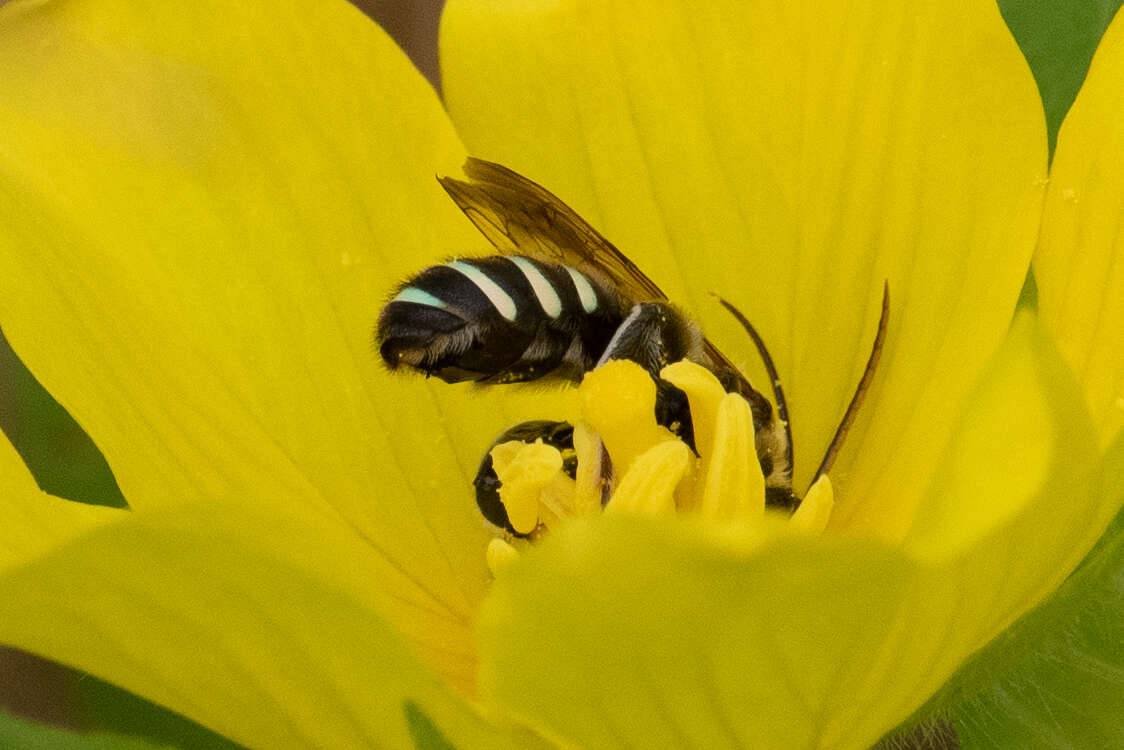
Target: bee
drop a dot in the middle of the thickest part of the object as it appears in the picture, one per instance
(558, 301)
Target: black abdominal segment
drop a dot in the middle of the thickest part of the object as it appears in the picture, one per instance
(484, 320)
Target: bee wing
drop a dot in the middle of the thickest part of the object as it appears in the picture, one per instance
(520, 217)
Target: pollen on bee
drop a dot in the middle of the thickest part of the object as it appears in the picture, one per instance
(409, 357)
(534, 487)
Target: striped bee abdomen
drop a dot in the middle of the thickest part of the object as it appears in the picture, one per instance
(498, 319)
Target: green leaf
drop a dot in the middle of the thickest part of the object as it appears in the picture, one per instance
(106, 707)
(1058, 38)
(423, 731)
(62, 457)
(20, 733)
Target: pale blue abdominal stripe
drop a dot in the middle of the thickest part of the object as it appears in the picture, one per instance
(585, 290)
(544, 290)
(500, 299)
(419, 297)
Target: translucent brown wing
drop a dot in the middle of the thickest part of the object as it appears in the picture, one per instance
(520, 217)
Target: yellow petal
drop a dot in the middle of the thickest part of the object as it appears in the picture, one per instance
(815, 507)
(1020, 497)
(739, 148)
(204, 212)
(265, 630)
(763, 648)
(173, 259)
(1078, 263)
(1006, 444)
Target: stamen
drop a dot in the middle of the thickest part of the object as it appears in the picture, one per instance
(734, 487)
(649, 486)
(500, 554)
(621, 447)
(815, 509)
(618, 400)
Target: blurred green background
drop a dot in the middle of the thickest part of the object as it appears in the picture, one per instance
(1058, 38)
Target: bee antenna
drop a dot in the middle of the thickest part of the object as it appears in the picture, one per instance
(860, 391)
(770, 369)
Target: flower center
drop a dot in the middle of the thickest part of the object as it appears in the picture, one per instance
(641, 467)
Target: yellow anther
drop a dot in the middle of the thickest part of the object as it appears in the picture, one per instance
(649, 485)
(704, 394)
(734, 487)
(618, 400)
(524, 470)
(500, 554)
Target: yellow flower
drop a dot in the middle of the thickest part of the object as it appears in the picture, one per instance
(205, 204)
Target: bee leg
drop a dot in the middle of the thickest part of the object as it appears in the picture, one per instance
(487, 482)
(781, 498)
(653, 336)
(674, 412)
